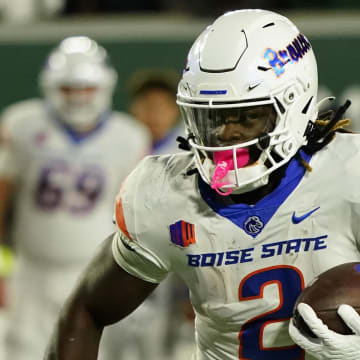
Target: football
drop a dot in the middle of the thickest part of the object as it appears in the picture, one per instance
(336, 286)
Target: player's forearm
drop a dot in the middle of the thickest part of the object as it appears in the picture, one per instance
(76, 336)
(6, 190)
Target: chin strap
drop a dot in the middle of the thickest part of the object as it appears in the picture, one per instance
(183, 143)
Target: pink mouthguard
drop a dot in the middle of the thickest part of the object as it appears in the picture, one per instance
(224, 162)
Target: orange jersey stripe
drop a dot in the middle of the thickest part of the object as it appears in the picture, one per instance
(119, 215)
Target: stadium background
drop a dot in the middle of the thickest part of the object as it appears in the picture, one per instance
(162, 41)
(156, 41)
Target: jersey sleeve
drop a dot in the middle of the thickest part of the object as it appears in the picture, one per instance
(136, 260)
(134, 247)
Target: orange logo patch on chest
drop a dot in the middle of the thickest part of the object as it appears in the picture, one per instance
(182, 233)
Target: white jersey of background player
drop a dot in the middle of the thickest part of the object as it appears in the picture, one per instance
(64, 157)
(267, 201)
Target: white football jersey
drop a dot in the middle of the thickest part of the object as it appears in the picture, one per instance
(66, 183)
(245, 265)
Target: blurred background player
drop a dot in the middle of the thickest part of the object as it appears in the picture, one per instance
(61, 163)
(153, 103)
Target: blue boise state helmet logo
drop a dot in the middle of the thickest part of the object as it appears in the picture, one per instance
(293, 53)
(253, 225)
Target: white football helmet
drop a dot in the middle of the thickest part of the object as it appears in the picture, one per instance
(78, 63)
(247, 59)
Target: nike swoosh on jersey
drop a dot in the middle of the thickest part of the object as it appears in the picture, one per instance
(298, 219)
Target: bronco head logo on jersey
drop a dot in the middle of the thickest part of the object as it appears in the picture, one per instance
(253, 225)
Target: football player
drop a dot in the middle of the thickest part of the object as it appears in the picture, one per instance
(62, 161)
(153, 103)
(267, 199)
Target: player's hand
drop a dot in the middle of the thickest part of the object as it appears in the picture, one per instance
(328, 345)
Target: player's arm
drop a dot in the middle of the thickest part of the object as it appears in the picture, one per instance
(8, 175)
(6, 191)
(105, 294)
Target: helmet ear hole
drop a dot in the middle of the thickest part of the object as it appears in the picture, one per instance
(288, 146)
(289, 96)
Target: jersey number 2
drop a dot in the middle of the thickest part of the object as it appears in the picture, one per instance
(290, 283)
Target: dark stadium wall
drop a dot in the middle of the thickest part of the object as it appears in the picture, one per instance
(21, 63)
(338, 62)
